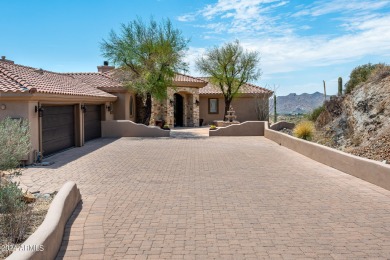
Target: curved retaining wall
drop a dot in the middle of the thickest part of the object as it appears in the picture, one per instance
(248, 128)
(282, 124)
(127, 128)
(369, 170)
(45, 242)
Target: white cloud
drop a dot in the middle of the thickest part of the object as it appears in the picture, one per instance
(336, 6)
(283, 40)
(191, 56)
(291, 53)
(186, 17)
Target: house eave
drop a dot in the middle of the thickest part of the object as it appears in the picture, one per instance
(42, 97)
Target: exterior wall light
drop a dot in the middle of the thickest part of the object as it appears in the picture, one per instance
(171, 102)
(109, 108)
(84, 108)
(197, 102)
(3, 107)
(39, 110)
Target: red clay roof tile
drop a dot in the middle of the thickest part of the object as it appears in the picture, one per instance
(18, 78)
(245, 89)
(96, 79)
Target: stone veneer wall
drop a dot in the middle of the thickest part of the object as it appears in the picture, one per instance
(165, 111)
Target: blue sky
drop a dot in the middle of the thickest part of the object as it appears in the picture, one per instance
(300, 43)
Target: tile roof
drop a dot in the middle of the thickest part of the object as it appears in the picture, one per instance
(96, 79)
(178, 79)
(185, 78)
(245, 89)
(18, 78)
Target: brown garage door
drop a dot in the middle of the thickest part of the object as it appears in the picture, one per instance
(92, 118)
(58, 129)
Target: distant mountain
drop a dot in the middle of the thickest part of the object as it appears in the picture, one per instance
(297, 104)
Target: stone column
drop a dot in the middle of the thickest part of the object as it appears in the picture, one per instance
(195, 110)
(169, 111)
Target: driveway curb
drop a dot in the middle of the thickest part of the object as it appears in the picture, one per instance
(45, 242)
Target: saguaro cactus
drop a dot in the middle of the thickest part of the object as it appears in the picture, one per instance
(324, 91)
(340, 86)
(275, 114)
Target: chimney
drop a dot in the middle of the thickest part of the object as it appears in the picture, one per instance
(5, 60)
(105, 67)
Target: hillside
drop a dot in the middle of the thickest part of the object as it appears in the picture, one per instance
(297, 104)
(359, 123)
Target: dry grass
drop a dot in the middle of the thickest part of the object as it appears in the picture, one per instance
(380, 72)
(304, 130)
(38, 213)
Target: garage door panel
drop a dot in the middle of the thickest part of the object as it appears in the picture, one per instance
(56, 145)
(58, 128)
(57, 121)
(92, 122)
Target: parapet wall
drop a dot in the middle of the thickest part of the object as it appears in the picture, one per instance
(248, 128)
(369, 170)
(127, 128)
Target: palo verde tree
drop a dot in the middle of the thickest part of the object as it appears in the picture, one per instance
(151, 53)
(229, 67)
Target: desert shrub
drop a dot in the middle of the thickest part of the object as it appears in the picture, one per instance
(316, 113)
(358, 75)
(380, 72)
(14, 142)
(213, 127)
(261, 107)
(304, 130)
(15, 214)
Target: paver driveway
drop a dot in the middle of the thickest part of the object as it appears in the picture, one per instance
(204, 198)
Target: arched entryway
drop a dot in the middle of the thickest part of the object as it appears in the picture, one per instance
(178, 109)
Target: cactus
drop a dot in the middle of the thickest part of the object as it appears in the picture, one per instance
(275, 114)
(340, 86)
(324, 91)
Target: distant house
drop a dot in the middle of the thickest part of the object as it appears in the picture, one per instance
(66, 109)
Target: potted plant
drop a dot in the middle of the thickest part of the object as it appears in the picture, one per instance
(166, 127)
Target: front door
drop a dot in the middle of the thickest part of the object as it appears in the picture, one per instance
(178, 110)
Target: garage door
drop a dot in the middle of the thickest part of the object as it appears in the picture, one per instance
(58, 130)
(92, 118)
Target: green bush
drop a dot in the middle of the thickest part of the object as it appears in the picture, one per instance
(316, 113)
(14, 142)
(213, 127)
(304, 130)
(359, 75)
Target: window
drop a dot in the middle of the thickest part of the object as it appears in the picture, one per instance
(213, 105)
(131, 106)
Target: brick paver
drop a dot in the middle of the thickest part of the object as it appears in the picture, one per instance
(205, 198)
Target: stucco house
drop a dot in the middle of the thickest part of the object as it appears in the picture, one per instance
(66, 109)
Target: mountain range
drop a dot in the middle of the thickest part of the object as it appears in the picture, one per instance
(297, 104)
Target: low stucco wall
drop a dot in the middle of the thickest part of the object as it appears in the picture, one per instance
(369, 170)
(249, 128)
(45, 242)
(282, 124)
(126, 128)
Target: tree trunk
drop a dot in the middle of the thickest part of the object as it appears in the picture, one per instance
(227, 106)
(144, 109)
